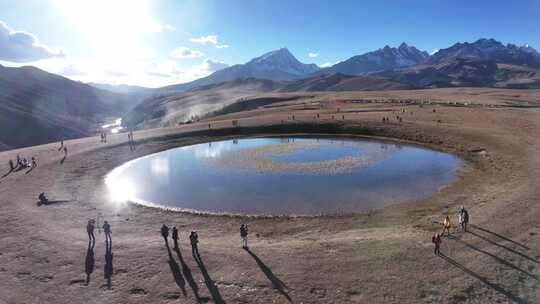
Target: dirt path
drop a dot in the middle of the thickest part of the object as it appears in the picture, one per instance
(384, 256)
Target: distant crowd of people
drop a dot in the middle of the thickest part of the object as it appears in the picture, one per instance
(21, 163)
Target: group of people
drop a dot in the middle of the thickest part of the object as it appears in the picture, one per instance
(90, 227)
(386, 119)
(463, 220)
(131, 141)
(103, 137)
(194, 237)
(22, 163)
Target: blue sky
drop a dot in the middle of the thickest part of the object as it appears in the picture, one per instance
(161, 42)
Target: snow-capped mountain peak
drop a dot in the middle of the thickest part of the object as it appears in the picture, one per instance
(488, 49)
(282, 60)
(387, 58)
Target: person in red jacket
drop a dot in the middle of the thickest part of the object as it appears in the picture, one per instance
(436, 240)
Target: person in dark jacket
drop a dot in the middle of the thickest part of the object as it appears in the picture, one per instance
(243, 235)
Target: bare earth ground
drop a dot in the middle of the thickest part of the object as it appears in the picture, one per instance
(383, 256)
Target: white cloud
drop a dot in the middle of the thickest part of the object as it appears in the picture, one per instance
(313, 55)
(213, 39)
(210, 39)
(212, 66)
(325, 65)
(168, 28)
(16, 46)
(185, 53)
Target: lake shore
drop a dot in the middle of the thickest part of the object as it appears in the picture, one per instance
(381, 256)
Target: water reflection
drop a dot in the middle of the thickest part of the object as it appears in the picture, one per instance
(282, 176)
(212, 150)
(114, 127)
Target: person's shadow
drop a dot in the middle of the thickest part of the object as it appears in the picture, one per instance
(212, 287)
(504, 247)
(90, 261)
(499, 236)
(276, 282)
(8, 173)
(498, 288)
(108, 268)
(39, 203)
(175, 270)
(496, 258)
(187, 273)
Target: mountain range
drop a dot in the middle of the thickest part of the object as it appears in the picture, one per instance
(40, 107)
(445, 68)
(387, 58)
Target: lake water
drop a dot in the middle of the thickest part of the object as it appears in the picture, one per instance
(286, 175)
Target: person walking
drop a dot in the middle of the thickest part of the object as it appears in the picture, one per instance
(11, 166)
(107, 231)
(436, 240)
(446, 225)
(175, 236)
(465, 219)
(90, 230)
(243, 235)
(34, 162)
(165, 232)
(194, 239)
(61, 145)
(65, 151)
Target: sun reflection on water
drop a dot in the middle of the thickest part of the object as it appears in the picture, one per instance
(120, 188)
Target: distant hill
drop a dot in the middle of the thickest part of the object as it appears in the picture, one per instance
(341, 82)
(459, 72)
(120, 88)
(37, 107)
(275, 65)
(173, 108)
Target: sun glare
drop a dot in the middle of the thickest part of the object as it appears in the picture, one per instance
(120, 189)
(110, 26)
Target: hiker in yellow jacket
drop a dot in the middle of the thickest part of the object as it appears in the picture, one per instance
(446, 225)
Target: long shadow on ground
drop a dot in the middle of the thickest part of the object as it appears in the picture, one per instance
(276, 282)
(499, 236)
(108, 268)
(210, 284)
(187, 273)
(8, 173)
(482, 279)
(504, 247)
(89, 263)
(175, 270)
(496, 258)
(39, 203)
